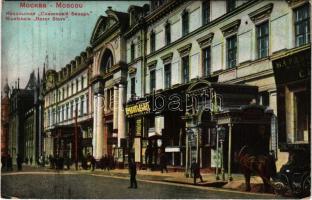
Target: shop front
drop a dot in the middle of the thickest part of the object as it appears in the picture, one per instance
(292, 72)
(138, 114)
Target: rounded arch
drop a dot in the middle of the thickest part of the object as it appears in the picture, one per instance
(106, 60)
(199, 84)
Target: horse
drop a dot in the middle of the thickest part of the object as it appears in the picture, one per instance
(261, 165)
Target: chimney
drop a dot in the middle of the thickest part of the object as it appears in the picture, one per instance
(18, 79)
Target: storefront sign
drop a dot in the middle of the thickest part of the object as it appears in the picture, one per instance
(137, 109)
(138, 127)
(172, 149)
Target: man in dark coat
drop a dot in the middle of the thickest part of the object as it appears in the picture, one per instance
(163, 162)
(19, 162)
(132, 171)
(93, 162)
(196, 171)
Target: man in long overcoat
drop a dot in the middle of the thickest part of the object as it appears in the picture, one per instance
(196, 171)
(132, 171)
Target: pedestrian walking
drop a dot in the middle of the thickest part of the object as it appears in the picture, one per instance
(93, 162)
(196, 171)
(19, 162)
(30, 160)
(102, 163)
(9, 163)
(163, 162)
(132, 171)
(106, 162)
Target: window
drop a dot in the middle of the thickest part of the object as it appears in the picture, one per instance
(112, 99)
(63, 112)
(152, 80)
(71, 109)
(263, 40)
(133, 86)
(81, 106)
(185, 69)
(230, 5)
(302, 25)
(302, 113)
(168, 33)
(67, 90)
(77, 85)
(206, 61)
(167, 76)
(82, 80)
(231, 51)
(72, 88)
(132, 51)
(86, 104)
(264, 98)
(67, 111)
(206, 11)
(63, 93)
(152, 41)
(185, 23)
(76, 108)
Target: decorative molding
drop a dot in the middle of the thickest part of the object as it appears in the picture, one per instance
(205, 40)
(230, 28)
(262, 13)
(167, 58)
(296, 3)
(152, 64)
(185, 50)
(132, 70)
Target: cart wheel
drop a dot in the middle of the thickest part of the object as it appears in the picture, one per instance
(306, 185)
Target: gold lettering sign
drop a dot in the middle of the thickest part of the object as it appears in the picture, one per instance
(137, 109)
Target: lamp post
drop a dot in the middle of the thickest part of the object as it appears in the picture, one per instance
(218, 158)
(221, 131)
(189, 140)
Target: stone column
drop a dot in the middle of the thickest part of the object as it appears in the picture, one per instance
(99, 127)
(121, 114)
(94, 124)
(115, 111)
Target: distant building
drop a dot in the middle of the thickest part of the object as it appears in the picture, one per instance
(21, 100)
(5, 120)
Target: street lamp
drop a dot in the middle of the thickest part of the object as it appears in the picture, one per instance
(189, 140)
(221, 131)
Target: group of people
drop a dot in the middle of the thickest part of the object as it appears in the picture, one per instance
(107, 162)
(58, 162)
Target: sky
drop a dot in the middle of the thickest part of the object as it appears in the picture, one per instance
(27, 45)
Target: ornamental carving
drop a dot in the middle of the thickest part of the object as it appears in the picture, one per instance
(185, 50)
(167, 58)
(132, 70)
(205, 40)
(262, 13)
(152, 64)
(230, 28)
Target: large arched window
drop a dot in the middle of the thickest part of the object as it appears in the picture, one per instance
(107, 61)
